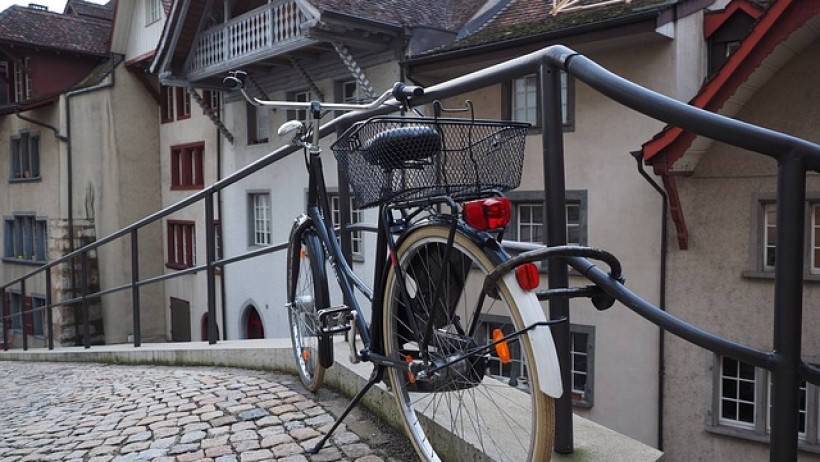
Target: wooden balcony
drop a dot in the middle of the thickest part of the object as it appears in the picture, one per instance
(259, 34)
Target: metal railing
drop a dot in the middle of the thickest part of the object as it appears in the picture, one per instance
(795, 158)
(258, 32)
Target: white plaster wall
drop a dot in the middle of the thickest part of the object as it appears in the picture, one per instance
(261, 281)
(192, 288)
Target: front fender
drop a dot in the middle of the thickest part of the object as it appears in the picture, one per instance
(543, 346)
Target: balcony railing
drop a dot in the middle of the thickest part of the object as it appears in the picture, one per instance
(257, 34)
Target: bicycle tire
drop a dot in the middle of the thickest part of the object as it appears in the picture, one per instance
(456, 418)
(307, 287)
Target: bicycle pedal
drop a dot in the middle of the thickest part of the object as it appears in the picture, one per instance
(335, 320)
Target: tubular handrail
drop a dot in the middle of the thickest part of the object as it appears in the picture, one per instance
(795, 156)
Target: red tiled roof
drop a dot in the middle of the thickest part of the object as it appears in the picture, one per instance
(40, 28)
(774, 26)
(447, 15)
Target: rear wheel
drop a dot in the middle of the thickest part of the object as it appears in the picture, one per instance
(476, 408)
(307, 294)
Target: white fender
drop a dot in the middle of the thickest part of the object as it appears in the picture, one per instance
(543, 347)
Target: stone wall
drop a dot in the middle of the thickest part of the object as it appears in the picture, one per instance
(68, 319)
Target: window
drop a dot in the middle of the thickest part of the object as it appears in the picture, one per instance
(763, 237)
(738, 395)
(300, 114)
(349, 91)
(515, 370)
(522, 97)
(260, 217)
(16, 311)
(183, 103)
(181, 244)
(35, 305)
(527, 224)
(742, 403)
(582, 347)
(152, 11)
(22, 80)
(258, 124)
(212, 99)
(187, 171)
(25, 238)
(167, 104)
(25, 156)
(356, 216)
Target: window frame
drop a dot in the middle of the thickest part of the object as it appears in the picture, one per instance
(183, 103)
(254, 232)
(258, 123)
(567, 103)
(585, 398)
(24, 156)
(166, 106)
(356, 217)
(21, 87)
(181, 251)
(760, 431)
(758, 266)
(187, 169)
(152, 12)
(28, 230)
(577, 197)
(304, 95)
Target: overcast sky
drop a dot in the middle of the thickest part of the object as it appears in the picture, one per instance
(53, 5)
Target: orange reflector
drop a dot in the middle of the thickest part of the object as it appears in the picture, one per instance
(501, 349)
(306, 354)
(302, 253)
(410, 376)
(527, 276)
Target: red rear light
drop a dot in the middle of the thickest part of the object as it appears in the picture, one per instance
(527, 276)
(486, 214)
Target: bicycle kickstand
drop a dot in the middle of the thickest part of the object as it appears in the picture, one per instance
(375, 378)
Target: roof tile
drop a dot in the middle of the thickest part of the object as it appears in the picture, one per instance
(34, 27)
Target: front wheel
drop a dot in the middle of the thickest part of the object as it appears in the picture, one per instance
(472, 406)
(307, 294)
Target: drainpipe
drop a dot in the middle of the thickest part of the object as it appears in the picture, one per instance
(222, 291)
(70, 174)
(638, 155)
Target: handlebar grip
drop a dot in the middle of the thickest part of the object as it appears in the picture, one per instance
(402, 91)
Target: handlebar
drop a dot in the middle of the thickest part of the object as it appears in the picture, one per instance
(400, 92)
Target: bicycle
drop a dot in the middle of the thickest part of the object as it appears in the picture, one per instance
(442, 279)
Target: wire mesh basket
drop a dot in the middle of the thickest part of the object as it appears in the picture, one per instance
(399, 159)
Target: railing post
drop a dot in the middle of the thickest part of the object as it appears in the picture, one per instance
(6, 320)
(23, 313)
(49, 310)
(556, 234)
(86, 322)
(135, 289)
(210, 256)
(788, 314)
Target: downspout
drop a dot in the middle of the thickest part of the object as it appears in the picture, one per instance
(222, 292)
(638, 155)
(70, 174)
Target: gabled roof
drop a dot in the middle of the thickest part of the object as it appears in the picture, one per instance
(90, 10)
(724, 92)
(32, 27)
(440, 14)
(525, 19)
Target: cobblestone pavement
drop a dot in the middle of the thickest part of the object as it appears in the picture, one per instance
(102, 413)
